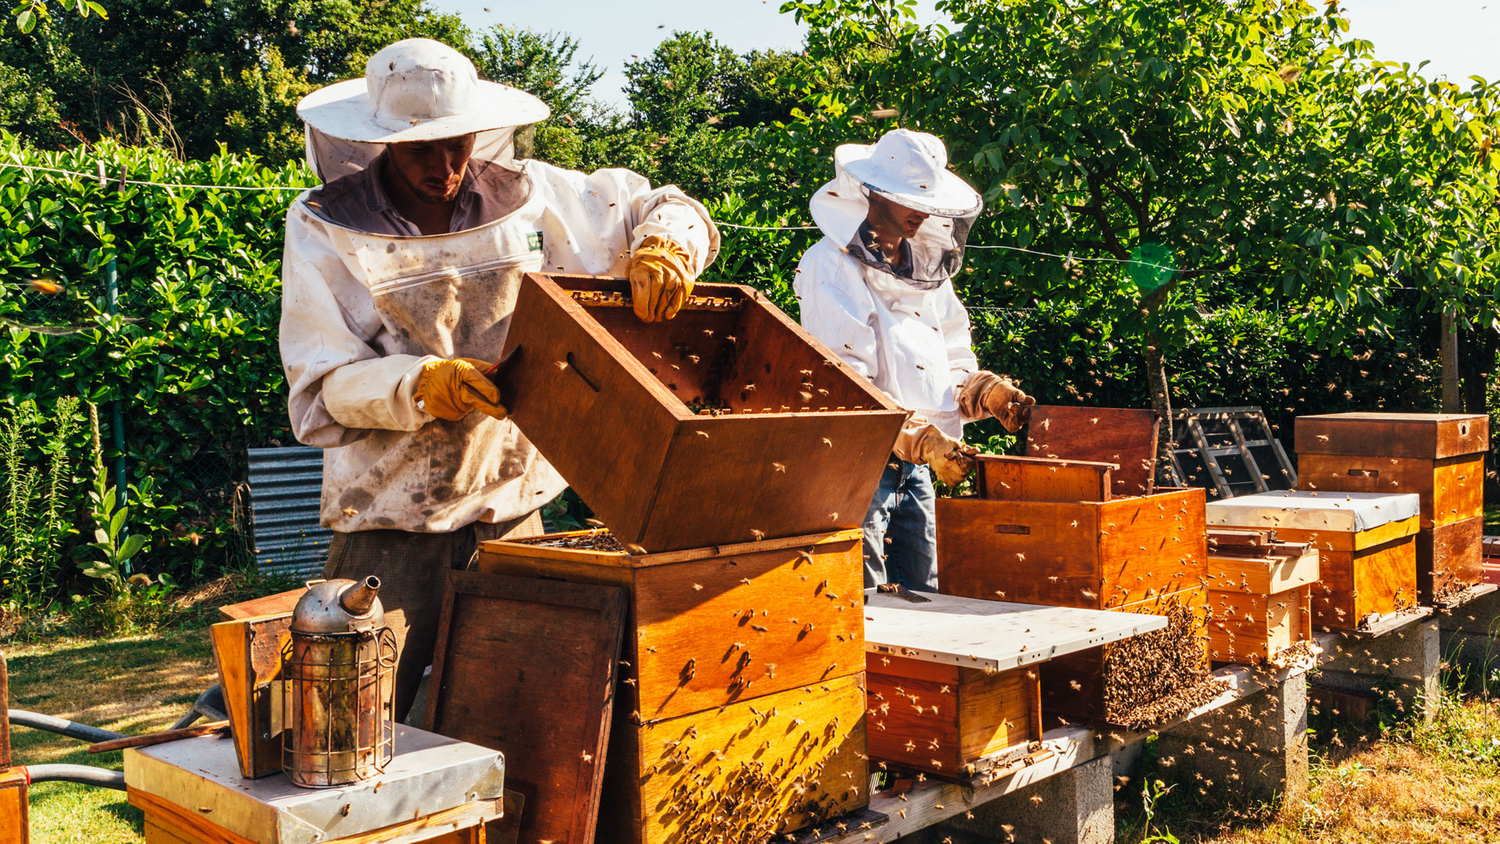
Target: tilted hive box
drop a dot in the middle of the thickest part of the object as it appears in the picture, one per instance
(1367, 560)
(1051, 532)
(1438, 456)
(742, 682)
(726, 424)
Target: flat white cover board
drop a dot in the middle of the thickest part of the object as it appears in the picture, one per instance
(428, 774)
(974, 633)
(1346, 512)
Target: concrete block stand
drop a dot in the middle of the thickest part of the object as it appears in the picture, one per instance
(1400, 665)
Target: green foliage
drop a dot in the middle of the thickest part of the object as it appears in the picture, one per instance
(37, 498)
(29, 12)
(192, 352)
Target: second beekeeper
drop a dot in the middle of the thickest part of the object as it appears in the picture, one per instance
(398, 282)
(878, 291)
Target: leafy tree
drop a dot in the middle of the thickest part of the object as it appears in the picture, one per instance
(229, 72)
(1182, 154)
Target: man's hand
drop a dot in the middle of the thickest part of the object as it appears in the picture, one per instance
(1007, 403)
(660, 281)
(951, 460)
(451, 389)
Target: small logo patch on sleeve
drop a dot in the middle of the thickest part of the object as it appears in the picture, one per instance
(534, 241)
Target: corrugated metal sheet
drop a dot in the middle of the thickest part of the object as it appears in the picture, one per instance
(286, 487)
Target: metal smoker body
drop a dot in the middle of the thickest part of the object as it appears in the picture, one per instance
(339, 665)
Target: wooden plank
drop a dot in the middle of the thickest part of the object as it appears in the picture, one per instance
(1422, 435)
(247, 652)
(15, 821)
(1449, 559)
(1006, 478)
(527, 667)
(1151, 544)
(1451, 489)
(1028, 551)
(619, 559)
(278, 604)
(191, 823)
(914, 720)
(1125, 437)
(4, 723)
(1355, 585)
(1335, 540)
(1262, 575)
(996, 711)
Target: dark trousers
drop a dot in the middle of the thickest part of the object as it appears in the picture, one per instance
(413, 570)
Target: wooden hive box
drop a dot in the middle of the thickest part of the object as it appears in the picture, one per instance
(954, 683)
(1260, 591)
(1438, 456)
(1367, 563)
(1052, 532)
(726, 424)
(724, 648)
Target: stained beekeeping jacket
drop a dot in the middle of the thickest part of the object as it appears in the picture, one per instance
(903, 327)
(363, 311)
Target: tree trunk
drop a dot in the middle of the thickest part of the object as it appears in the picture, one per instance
(1161, 402)
(1449, 353)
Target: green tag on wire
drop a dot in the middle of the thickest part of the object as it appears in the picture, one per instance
(1151, 266)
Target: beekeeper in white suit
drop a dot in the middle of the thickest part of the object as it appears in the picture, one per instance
(878, 291)
(398, 282)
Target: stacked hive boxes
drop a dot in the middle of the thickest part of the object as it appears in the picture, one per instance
(1367, 560)
(1438, 456)
(732, 458)
(1261, 594)
(1051, 532)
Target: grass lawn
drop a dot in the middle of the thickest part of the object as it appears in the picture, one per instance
(1403, 785)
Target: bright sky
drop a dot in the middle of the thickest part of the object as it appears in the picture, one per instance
(1460, 37)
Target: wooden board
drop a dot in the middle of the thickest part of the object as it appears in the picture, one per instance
(4, 723)
(527, 667)
(15, 821)
(1263, 575)
(281, 602)
(1002, 477)
(798, 446)
(247, 653)
(1425, 435)
(1451, 488)
(722, 625)
(1093, 555)
(1124, 437)
(1353, 585)
(166, 823)
(753, 769)
(1449, 559)
(1255, 629)
(1337, 540)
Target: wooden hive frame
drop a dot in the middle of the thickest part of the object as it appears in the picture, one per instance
(1261, 595)
(729, 412)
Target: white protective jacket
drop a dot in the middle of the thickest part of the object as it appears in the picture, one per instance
(910, 337)
(362, 313)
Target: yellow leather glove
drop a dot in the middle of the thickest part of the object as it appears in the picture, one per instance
(660, 281)
(1007, 403)
(951, 460)
(451, 389)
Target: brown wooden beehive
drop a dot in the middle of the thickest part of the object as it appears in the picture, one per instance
(1052, 532)
(1367, 563)
(1260, 591)
(943, 719)
(725, 424)
(1438, 456)
(715, 639)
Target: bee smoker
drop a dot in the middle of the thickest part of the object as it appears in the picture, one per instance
(339, 666)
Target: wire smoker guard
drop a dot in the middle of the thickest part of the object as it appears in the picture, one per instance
(339, 665)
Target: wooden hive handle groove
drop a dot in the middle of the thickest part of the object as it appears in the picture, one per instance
(573, 365)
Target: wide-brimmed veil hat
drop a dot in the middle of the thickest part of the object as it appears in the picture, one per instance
(417, 89)
(910, 169)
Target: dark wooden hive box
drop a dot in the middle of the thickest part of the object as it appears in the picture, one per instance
(726, 424)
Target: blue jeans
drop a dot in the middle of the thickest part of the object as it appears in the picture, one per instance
(901, 529)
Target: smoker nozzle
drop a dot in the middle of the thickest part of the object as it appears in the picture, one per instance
(358, 599)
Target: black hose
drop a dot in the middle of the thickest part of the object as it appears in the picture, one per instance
(86, 774)
(62, 726)
(209, 705)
